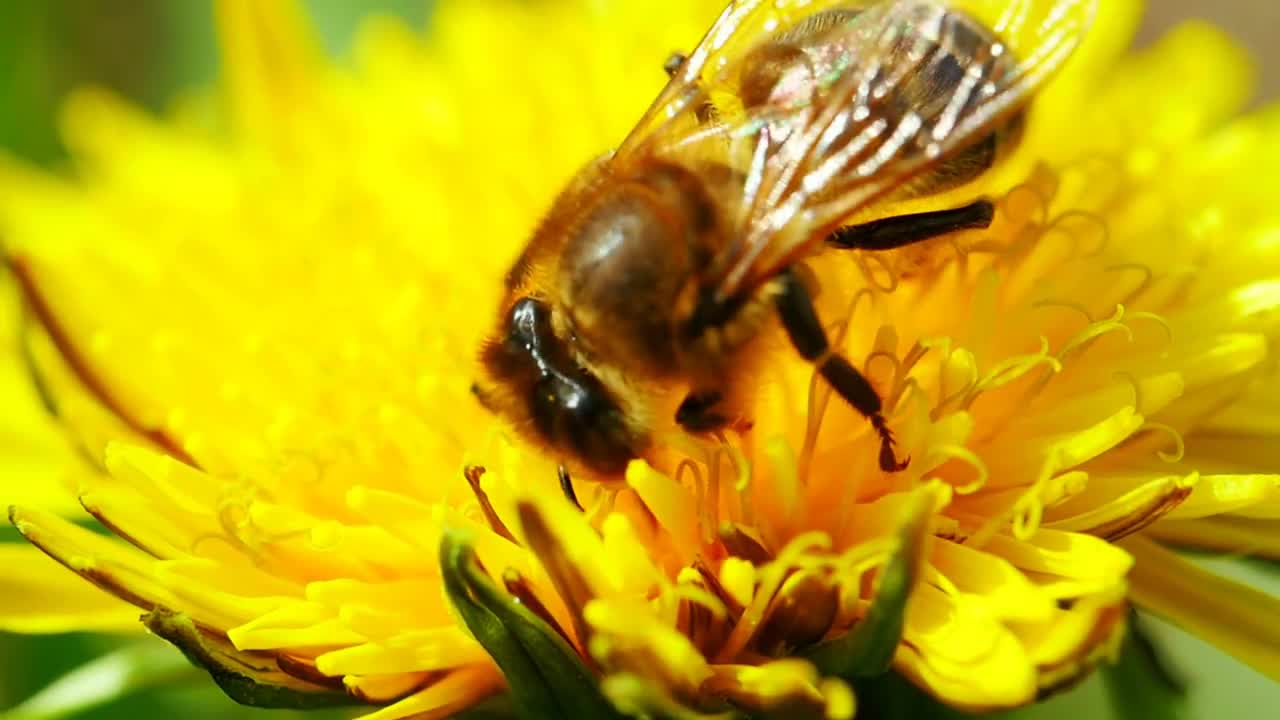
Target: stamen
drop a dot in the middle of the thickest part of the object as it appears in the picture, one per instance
(1028, 203)
(1144, 270)
(1028, 513)
(603, 503)
(1067, 304)
(1090, 334)
(1180, 445)
(706, 525)
(740, 544)
(887, 287)
(771, 578)
(688, 590)
(712, 510)
(1134, 385)
(1006, 372)
(1025, 514)
(902, 380)
(473, 473)
(1083, 217)
(722, 594)
(968, 457)
(1157, 319)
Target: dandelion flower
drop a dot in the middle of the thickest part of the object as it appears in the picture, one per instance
(256, 316)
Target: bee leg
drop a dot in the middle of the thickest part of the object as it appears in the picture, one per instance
(895, 232)
(566, 486)
(698, 412)
(795, 308)
(673, 63)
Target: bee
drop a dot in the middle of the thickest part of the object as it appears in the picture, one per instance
(663, 263)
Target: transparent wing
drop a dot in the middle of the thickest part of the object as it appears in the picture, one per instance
(881, 92)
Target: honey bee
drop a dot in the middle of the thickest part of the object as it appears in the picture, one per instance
(663, 263)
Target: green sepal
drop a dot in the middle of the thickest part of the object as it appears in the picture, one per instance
(249, 678)
(867, 649)
(546, 677)
(1141, 683)
(893, 697)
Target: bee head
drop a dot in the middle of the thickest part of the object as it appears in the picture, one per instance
(535, 383)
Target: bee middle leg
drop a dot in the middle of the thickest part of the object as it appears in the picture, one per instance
(895, 232)
(800, 318)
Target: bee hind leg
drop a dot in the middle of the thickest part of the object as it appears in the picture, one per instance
(800, 318)
(902, 230)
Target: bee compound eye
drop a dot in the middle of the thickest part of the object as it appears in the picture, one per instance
(579, 417)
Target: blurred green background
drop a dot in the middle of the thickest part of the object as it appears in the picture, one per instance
(149, 49)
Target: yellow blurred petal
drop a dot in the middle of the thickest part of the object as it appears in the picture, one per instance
(991, 582)
(946, 646)
(1076, 639)
(269, 60)
(1239, 619)
(1220, 494)
(1216, 76)
(37, 595)
(34, 455)
(789, 686)
(1244, 537)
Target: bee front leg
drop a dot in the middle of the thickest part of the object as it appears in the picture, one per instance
(566, 486)
(895, 232)
(702, 411)
(800, 318)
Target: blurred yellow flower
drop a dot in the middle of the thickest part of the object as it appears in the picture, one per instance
(256, 318)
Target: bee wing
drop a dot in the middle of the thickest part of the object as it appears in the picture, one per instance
(811, 162)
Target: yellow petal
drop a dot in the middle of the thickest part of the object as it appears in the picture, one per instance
(384, 689)
(131, 575)
(1079, 564)
(1237, 618)
(37, 595)
(454, 693)
(437, 649)
(1117, 503)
